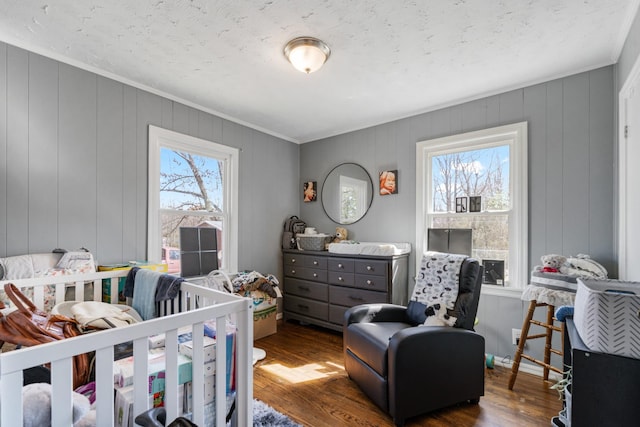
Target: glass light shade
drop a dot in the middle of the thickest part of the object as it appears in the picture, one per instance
(307, 54)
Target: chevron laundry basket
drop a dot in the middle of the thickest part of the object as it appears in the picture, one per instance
(607, 316)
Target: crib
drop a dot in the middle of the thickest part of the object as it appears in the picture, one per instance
(192, 307)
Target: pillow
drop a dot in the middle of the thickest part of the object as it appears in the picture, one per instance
(18, 267)
(1, 270)
(77, 262)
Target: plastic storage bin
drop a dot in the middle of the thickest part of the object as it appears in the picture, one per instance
(607, 316)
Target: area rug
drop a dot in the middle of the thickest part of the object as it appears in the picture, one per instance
(265, 416)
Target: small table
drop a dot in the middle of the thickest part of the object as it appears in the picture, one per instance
(540, 296)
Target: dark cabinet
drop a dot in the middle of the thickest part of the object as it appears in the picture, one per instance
(604, 387)
(320, 286)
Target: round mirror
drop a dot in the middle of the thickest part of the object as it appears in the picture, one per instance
(347, 193)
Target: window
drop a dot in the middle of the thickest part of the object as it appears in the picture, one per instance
(192, 183)
(486, 173)
(353, 193)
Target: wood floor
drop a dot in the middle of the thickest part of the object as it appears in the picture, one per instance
(303, 376)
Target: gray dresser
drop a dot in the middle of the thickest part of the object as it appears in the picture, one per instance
(320, 286)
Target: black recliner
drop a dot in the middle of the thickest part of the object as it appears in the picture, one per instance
(409, 369)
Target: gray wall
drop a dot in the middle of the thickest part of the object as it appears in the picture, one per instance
(630, 53)
(73, 164)
(571, 171)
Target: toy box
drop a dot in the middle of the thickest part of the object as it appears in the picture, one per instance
(265, 310)
(264, 322)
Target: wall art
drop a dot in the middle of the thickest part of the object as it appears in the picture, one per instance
(388, 182)
(310, 191)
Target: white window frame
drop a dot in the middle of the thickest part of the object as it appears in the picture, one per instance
(164, 138)
(361, 192)
(515, 135)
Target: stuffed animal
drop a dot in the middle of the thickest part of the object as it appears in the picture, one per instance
(341, 234)
(552, 263)
(36, 402)
(437, 316)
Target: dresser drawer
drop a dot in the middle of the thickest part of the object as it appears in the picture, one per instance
(340, 278)
(378, 268)
(312, 290)
(317, 309)
(310, 261)
(305, 273)
(341, 264)
(349, 297)
(336, 314)
(373, 283)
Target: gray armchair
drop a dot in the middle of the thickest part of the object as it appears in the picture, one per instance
(409, 369)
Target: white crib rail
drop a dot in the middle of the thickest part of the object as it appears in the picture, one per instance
(214, 305)
(77, 281)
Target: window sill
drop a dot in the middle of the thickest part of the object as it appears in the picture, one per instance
(501, 291)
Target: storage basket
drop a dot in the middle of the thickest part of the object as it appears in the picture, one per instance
(312, 242)
(607, 316)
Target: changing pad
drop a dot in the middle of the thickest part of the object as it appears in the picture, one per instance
(370, 248)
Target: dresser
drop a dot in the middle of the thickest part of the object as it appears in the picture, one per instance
(319, 286)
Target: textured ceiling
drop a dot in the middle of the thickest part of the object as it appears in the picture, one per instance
(390, 59)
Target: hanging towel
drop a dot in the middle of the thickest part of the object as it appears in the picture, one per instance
(168, 287)
(129, 282)
(144, 291)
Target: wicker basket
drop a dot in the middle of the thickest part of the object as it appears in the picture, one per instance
(312, 242)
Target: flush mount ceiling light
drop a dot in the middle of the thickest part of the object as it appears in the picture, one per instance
(307, 54)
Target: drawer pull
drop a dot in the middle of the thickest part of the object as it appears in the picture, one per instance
(340, 266)
(369, 268)
(369, 282)
(304, 288)
(303, 307)
(293, 261)
(315, 262)
(315, 274)
(351, 297)
(293, 272)
(340, 279)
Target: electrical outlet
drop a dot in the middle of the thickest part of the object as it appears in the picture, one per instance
(515, 336)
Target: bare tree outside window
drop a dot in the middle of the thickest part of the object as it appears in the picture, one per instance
(483, 172)
(191, 193)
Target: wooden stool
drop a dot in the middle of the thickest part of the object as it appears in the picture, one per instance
(549, 328)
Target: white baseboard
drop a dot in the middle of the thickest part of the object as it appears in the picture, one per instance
(537, 370)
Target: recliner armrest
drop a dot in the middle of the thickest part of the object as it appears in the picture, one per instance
(429, 339)
(375, 313)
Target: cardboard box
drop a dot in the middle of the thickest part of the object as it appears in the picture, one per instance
(186, 349)
(209, 392)
(123, 405)
(264, 322)
(265, 309)
(123, 371)
(106, 294)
